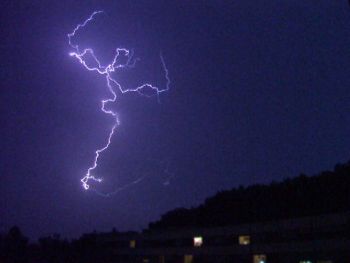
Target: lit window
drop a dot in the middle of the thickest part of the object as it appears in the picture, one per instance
(132, 243)
(305, 261)
(244, 240)
(259, 258)
(188, 258)
(197, 241)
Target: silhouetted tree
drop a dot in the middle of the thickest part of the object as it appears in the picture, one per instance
(294, 197)
(14, 246)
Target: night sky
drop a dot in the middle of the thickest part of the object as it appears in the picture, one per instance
(259, 92)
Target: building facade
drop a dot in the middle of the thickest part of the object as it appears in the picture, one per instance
(319, 239)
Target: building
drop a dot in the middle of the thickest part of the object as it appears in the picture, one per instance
(318, 239)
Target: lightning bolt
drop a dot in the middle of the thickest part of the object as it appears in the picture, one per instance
(106, 70)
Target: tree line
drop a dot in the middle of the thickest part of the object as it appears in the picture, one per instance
(325, 193)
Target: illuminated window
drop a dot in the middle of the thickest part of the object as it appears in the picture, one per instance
(188, 258)
(244, 240)
(197, 241)
(305, 261)
(132, 243)
(259, 258)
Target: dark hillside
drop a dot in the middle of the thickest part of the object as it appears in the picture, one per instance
(327, 192)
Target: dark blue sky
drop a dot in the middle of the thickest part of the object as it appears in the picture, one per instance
(260, 92)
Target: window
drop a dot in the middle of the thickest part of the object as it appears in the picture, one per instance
(145, 260)
(305, 261)
(259, 258)
(132, 244)
(188, 258)
(244, 240)
(198, 241)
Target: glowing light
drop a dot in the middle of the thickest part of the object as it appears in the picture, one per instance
(259, 258)
(106, 71)
(244, 240)
(132, 243)
(198, 241)
(188, 258)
